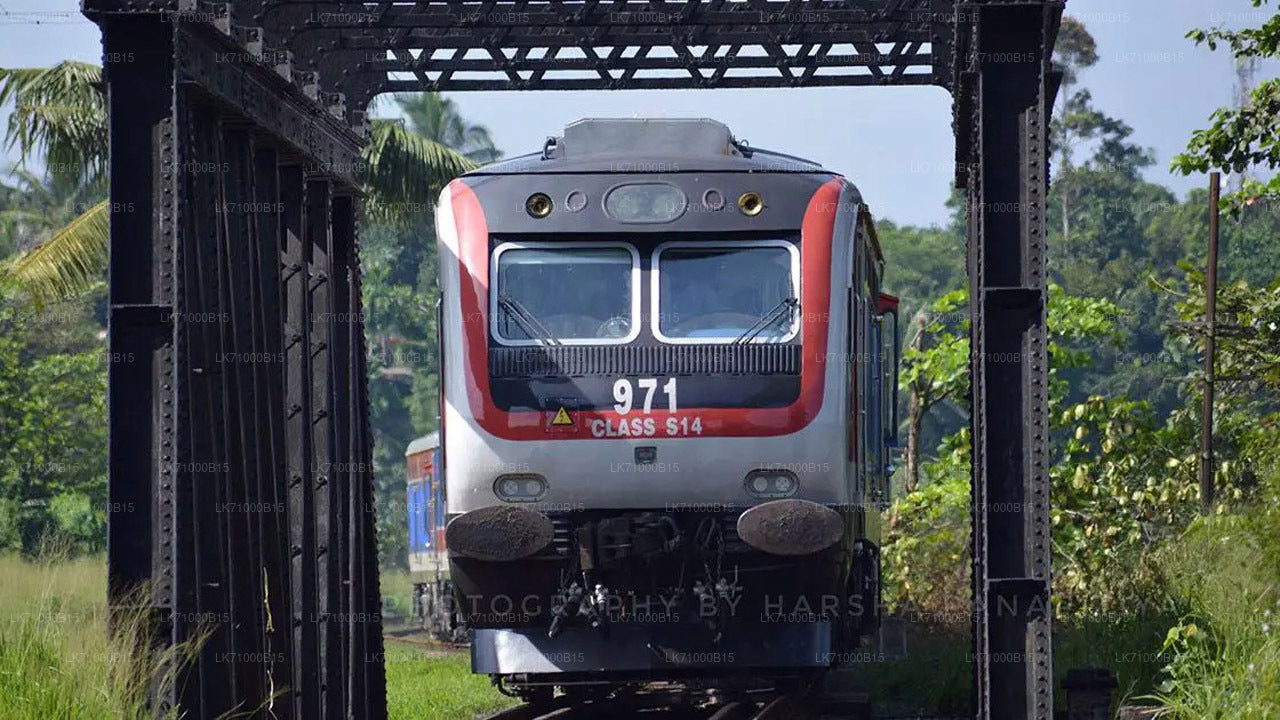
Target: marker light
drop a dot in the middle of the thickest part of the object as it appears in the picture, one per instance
(519, 488)
(771, 483)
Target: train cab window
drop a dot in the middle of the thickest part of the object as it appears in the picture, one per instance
(745, 292)
(562, 293)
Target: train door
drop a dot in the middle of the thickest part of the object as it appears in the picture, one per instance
(437, 504)
(856, 373)
(888, 318)
(873, 393)
(419, 535)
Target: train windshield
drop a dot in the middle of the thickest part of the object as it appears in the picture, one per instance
(742, 292)
(560, 293)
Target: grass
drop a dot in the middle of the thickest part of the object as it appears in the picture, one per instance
(397, 598)
(1225, 654)
(432, 684)
(1127, 645)
(938, 653)
(57, 660)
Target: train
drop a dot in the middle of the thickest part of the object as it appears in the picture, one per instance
(668, 399)
(434, 608)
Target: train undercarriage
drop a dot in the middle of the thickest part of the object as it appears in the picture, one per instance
(674, 593)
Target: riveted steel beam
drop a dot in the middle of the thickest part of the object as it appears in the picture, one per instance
(230, 179)
(1006, 91)
(259, 105)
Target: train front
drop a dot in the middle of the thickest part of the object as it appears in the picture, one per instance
(647, 407)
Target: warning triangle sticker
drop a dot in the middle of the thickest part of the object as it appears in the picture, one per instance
(562, 417)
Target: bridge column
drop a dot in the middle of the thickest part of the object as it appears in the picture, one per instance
(1007, 91)
(242, 522)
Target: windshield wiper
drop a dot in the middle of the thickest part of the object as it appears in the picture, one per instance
(788, 305)
(526, 320)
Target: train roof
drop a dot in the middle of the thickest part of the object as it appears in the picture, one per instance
(427, 442)
(644, 145)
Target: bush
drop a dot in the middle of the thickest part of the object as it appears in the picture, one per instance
(926, 554)
(1225, 653)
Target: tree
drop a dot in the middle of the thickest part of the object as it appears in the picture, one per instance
(53, 470)
(1113, 489)
(1247, 137)
(59, 224)
(60, 114)
(399, 257)
(404, 173)
(935, 369)
(923, 264)
(436, 118)
(1078, 122)
(1075, 51)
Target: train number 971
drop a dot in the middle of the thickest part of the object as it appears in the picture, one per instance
(625, 396)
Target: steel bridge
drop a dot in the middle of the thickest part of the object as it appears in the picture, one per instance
(239, 430)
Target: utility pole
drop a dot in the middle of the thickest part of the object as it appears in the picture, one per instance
(1210, 347)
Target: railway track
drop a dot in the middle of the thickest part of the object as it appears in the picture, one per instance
(675, 704)
(419, 638)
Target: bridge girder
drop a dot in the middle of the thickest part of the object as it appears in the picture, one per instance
(273, 95)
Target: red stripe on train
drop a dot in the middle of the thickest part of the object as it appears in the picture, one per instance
(816, 233)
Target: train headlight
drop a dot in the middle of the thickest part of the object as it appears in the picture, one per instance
(751, 203)
(538, 205)
(772, 483)
(525, 487)
(645, 203)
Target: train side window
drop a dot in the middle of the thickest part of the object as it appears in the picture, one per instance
(562, 293)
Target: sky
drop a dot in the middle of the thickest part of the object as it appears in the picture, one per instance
(895, 143)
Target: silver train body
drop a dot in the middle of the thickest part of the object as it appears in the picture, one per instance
(667, 399)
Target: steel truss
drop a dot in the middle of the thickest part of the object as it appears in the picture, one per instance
(240, 448)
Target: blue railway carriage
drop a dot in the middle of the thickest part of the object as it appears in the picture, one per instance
(433, 602)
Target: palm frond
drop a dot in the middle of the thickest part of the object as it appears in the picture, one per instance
(405, 171)
(66, 264)
(60, 110)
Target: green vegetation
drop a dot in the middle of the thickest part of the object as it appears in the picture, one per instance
(57, 658)
(1181, 607)
(53, 479)
(1223, 657)
(397, 597)
(1177, 605)
(433, 684)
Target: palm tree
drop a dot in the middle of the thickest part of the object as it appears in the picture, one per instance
(61, 112)
(404, 169)
(436, 117)
(58, 223)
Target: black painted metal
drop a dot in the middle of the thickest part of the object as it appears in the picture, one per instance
(1008, 80)
(240, 452)
(270, 97)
